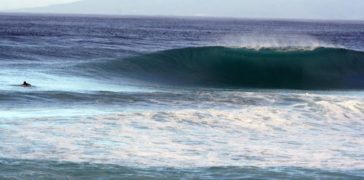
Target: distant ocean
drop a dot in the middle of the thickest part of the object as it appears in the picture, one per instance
(180, 98)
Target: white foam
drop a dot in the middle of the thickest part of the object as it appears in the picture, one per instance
(317, 131)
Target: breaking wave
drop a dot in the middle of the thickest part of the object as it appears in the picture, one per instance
(320, 68)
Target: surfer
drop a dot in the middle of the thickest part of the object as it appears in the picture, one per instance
(25, 84)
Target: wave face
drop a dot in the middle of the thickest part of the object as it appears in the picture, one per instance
(321, 68)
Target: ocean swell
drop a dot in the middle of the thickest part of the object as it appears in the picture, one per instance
(320, 68)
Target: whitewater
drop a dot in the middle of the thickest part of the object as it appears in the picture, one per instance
(180, 98)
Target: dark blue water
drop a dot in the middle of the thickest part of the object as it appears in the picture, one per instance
(180, 98)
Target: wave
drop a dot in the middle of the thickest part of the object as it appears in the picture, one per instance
(320, 68)
(38, 169)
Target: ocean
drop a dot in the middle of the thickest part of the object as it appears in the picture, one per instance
(127, 97)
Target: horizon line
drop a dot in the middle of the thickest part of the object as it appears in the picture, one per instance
(178, 16)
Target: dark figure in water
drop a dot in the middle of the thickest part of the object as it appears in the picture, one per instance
(25, 84)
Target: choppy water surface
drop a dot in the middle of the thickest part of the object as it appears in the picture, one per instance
(132, 97)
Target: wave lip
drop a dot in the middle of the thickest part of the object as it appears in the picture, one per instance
(320, 68)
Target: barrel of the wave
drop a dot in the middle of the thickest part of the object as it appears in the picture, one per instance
(320, 68)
